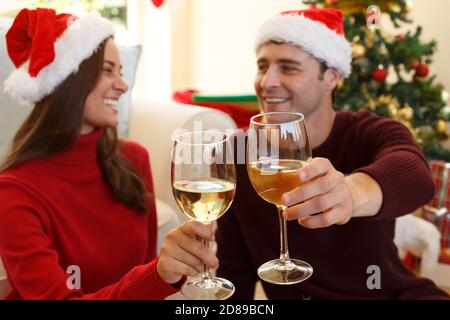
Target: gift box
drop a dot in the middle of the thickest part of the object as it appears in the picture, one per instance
(438, 209)
(239, 107)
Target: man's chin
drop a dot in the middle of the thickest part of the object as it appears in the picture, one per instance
(277, 108)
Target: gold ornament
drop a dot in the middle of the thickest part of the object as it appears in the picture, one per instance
(440, 126)
(409, 6)
(358, 50)
(395, 7)
(406, 113)
(392, 109)
(383, 49)
(370, 38)
(386, 100)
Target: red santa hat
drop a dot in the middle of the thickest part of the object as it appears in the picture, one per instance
(47, 47)
(320, 32)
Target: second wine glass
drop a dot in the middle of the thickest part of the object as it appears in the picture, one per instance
(277, 147)
(203, 184)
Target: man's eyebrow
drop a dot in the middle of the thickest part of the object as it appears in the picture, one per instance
(282, 60)
(289, 61)
(112, 63)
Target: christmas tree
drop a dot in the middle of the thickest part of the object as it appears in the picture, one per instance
(390, 74)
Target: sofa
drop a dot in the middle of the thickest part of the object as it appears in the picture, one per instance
(149, 123)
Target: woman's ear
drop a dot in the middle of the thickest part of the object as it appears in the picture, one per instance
(331, 78)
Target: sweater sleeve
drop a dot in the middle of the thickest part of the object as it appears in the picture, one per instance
(31, 261)
(398, 165)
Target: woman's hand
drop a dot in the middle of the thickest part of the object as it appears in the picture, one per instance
(183, 252)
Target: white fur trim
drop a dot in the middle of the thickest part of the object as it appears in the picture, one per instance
(76, 44)
(311, 36)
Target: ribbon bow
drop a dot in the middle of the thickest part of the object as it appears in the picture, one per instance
(32, 37)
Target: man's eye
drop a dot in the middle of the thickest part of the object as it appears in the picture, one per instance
(262, 68)
(289, 69)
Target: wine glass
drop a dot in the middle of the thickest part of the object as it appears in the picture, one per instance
(203, 179)
(277, 147)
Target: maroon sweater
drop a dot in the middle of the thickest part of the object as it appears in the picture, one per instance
(248, 234)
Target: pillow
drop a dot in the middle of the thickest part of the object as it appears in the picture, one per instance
(129, 56)
(13, 113)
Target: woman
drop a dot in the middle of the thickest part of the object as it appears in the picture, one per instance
(77, 210)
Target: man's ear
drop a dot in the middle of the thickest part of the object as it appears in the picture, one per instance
(331, 78)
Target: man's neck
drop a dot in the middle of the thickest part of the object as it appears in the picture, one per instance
(319, 125)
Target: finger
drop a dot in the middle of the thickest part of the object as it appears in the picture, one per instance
(197, 248)
(197, 229)
(178, 253)
(317, 167)
(177, 268)
(324, 219)
(315, 205)
(313, 188)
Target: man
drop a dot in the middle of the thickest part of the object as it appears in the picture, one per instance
(366, 171)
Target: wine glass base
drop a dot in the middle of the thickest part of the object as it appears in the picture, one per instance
(291, 272)
(210, 289)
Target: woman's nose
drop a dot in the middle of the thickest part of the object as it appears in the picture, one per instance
(121, 85)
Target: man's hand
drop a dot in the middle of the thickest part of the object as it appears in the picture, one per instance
(328, 197)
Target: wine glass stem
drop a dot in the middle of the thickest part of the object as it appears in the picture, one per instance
(284, 252)
(206, 274)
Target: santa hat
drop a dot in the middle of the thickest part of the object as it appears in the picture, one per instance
(47, 47)
(320, 32)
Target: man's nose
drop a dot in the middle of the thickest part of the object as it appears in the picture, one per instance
(270, 79)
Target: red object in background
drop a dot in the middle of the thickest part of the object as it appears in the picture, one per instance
(422, 70)
(239, 115)
(414, 64)
(440, 171)
(408, 261)
(157, 3)
(380, 75)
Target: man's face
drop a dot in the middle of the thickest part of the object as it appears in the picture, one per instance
(288, 79)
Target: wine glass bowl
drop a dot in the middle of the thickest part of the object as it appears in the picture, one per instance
(277, 147)
(203, 180)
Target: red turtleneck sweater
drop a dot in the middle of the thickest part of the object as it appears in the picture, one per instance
(58, 212)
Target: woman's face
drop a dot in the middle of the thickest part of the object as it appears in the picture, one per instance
(100, 108)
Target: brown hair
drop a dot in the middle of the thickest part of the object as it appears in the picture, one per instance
(54, 125)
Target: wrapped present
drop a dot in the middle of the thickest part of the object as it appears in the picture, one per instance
(239, 107)
(438, 210)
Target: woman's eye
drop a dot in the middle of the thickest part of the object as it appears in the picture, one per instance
(107, 70)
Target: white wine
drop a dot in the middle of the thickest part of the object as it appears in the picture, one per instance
(204, 200)
(272, 178)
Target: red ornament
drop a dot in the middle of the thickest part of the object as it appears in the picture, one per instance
(158, 3)
(380, 74)
(399, 37)
(422, 70)
(414, 64)
(332, 2)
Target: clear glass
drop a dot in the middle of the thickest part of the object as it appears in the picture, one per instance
(277, 147)
(203, 179)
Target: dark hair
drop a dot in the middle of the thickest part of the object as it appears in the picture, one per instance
(54, 125)
(323, 67)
